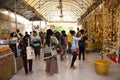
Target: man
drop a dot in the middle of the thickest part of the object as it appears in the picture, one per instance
(69, 37)
(81, 44)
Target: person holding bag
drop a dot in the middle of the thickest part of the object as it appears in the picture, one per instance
(51, 60)
(49, 51)
(23, 50)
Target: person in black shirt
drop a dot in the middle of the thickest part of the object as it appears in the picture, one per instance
(81, 44)
(22, 46)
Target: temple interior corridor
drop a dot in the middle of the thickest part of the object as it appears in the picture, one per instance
(90, 26)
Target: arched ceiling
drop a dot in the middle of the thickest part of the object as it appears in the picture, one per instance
(51, 10)
(71, 9)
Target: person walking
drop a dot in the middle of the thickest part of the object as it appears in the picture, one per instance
(23, 53)
(69, 38)
(81, 44)
(36, 43)
(51, 62)
(63, 44)
(74, 47)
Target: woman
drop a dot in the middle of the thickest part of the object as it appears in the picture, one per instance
(36, 42)
(51, 62)
(74, 47)
(22, 46)
(13, 43)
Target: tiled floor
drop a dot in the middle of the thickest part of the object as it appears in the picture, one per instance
(85, 70)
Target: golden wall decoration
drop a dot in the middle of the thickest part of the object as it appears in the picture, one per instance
(103, 29)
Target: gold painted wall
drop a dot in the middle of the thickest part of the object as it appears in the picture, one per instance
(103, 35)
(7, 25)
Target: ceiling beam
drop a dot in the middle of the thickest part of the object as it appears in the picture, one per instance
(34, 10)
(75, 13)
(84, 1)
(91, 8)
(38, 3)
(32, 1)
(88, 2)
(42, 10)
(62, 21)
(80, 5)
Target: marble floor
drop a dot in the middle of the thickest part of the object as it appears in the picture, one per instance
(85, 70)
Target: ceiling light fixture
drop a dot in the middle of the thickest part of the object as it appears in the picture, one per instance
(60, 7)
(61, 14)
(60, 4)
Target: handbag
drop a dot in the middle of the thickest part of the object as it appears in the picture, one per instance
(47, 55)
(54, 52)
(49, 52)
(29, 51)
(73, 51)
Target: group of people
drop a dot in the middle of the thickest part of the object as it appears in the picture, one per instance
(21, 42)
(62, 42)
(77, 46)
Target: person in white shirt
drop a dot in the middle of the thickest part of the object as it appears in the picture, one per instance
(74, 47)
(51, 61)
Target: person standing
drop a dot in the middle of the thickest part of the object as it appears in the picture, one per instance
(41, 34)
(63, 44)
(23, 53)
(31, 34)
(36, 43)
(69, 37)
(51, 62)
(13, 43)
(17, 34)
(81, 44)
(78, 33)
(57, 35)
(74, 47)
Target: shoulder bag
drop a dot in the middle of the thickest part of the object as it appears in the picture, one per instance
(29, 51)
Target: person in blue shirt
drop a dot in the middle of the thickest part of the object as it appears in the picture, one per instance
(36, 43)
(63, 44)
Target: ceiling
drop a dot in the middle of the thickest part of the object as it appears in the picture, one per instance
(49, 10)
(71, 9)
(20, 9)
